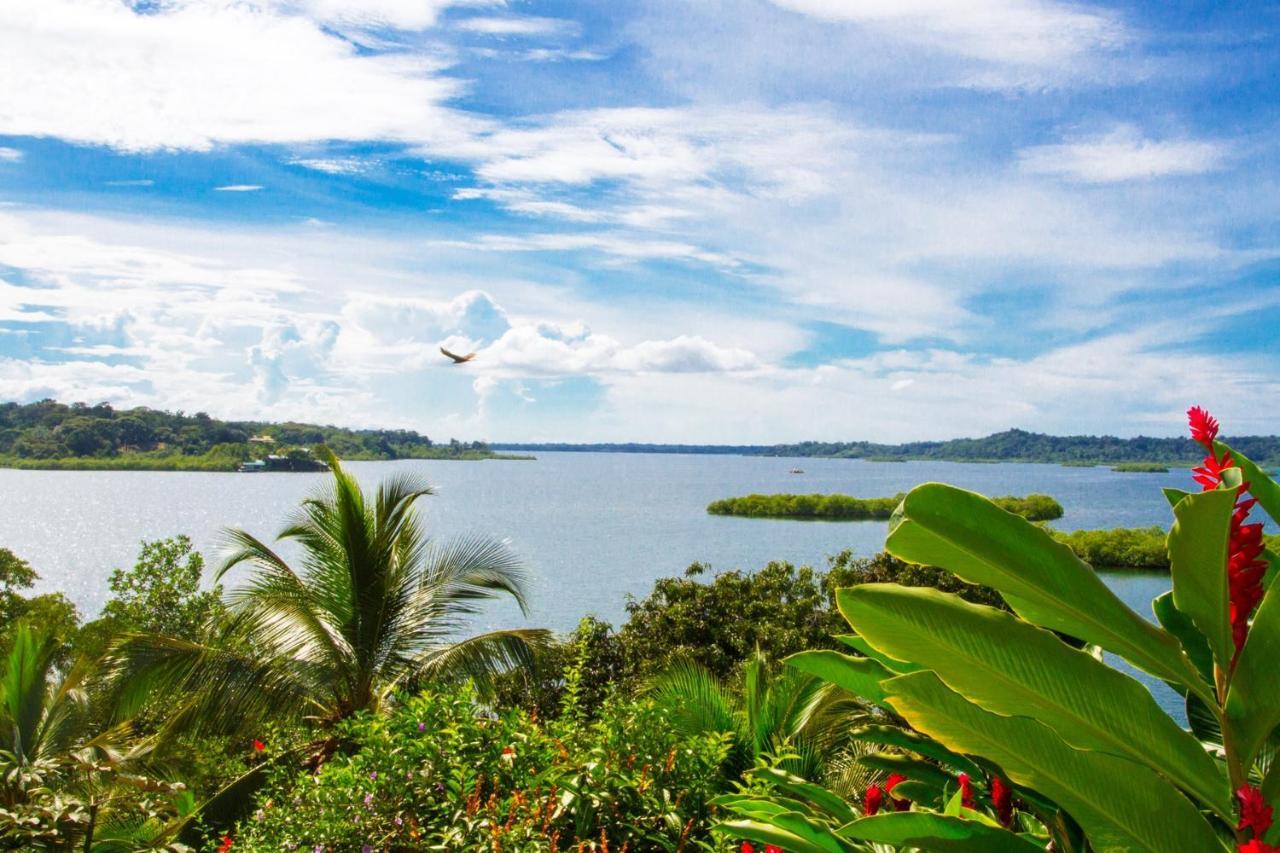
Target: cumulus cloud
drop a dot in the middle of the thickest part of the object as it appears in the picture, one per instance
(10, 155)
(87, 71)
(1123, 154)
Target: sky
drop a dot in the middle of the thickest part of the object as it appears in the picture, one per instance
(704, 221)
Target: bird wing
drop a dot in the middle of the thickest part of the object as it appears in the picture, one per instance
(458, 359)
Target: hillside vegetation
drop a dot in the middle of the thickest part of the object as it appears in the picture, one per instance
(48, 434)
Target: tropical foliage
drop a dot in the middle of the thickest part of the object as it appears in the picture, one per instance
(1019, 738)
(435, 775)
(375, 607)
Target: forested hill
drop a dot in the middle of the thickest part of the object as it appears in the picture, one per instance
(51, 434)
(1013, 445)
(1017, 445)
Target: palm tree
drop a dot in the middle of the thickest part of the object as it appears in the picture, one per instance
(372, 607)
(783, 712)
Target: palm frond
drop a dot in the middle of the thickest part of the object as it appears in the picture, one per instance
(479, 658)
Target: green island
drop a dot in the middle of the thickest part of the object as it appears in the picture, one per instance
(338, 699)
(847, 508)
(1140, 468)
(51, 435)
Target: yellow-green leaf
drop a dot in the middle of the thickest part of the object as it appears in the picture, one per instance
(1011, 667)
(1198, 547)
(1121, 805)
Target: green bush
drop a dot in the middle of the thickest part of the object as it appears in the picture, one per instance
(846, 508)
(439, 774)
(1120, 548)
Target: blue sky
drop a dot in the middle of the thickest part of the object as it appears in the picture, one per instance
(661, 220)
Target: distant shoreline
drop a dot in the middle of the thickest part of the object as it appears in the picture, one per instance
(1017, 446)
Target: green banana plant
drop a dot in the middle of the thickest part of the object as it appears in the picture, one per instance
(1080, 754)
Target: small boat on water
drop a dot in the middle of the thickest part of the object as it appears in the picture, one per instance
(796, 471)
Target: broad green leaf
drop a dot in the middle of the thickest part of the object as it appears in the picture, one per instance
(1175, 495)
(1042, 580)
(790, 831)
(859, 676)
(819, 796)
(1253, 699)
(1198, 547)
(905, 765)
(1010, 667)
(864, 648)
(1271, 783)
(1261, 486)
(1193, 642)
(939, 833)
(1121, 805)
(917, 792)
(909, 740)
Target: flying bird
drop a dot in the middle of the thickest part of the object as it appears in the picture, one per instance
(458, 359)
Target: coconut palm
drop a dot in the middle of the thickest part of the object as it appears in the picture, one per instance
(774, 711)
(373, 606)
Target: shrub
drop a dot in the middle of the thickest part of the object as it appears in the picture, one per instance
(439, 774)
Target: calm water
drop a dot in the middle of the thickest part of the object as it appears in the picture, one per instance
(591, 527)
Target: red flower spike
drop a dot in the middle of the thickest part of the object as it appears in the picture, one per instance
(872, 800)
(1255, 814)
(1204, 426)
(899, 804)
(966, 791)
(1256, 846)
(770, 848)
(1244, 568)
(747, 848)
(258, 746)
(1002, 801)
(226, 844)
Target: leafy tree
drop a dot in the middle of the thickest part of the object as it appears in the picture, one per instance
(374, 607)
(161, 594)
(53, 611)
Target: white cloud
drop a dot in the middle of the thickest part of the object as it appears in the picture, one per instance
(205, 72)
(335, 165)
(527, 25)
(1024, 32)
(1124, 154)
(140, 182)
(402, 14)
(10, 155)
(238, 188)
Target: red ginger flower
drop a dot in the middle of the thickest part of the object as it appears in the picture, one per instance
(1204, 426)
(872, 800)
(1256, 846)
(900, 805)
(1244, 566)
(1002, 801)
(1255, 813)
(226, 844)
(966, 791)
(258, 745)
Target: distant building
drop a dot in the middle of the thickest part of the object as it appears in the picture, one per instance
(262, 439)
